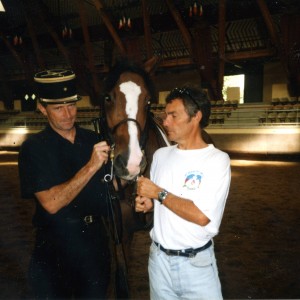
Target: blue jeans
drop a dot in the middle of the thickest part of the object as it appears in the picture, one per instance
(177, 277)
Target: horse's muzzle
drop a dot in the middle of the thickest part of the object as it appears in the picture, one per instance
(121, 170)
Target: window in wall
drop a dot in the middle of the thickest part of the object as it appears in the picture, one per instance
(1, 6)
(233, 88)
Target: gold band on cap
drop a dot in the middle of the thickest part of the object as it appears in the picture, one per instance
(53, 79)
(62, 100)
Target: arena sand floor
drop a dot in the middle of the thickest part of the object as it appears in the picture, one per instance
(257, 249)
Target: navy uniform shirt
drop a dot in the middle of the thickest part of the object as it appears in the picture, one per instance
(47, 159)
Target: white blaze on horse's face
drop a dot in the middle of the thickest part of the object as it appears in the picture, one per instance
(132, 92)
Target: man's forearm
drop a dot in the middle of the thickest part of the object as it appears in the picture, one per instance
(61, 195)
(185, 209)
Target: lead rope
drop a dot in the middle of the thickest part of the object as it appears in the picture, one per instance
(121, 278)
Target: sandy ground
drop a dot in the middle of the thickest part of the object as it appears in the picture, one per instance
(257, 249)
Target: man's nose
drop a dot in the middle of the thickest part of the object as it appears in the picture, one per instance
(165, 121)
(67, 112)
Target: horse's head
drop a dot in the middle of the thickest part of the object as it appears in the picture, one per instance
(125, 109)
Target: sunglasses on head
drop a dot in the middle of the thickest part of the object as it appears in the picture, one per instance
(186, 92)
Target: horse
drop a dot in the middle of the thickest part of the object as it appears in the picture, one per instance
(133, 132)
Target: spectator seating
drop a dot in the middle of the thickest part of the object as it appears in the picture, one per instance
(263, 118)
(223, 114)
(291, 116)
(272, 117)
(282, 116)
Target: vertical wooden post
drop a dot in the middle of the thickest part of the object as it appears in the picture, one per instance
(200, 54)
(147, 32)
(221, 44)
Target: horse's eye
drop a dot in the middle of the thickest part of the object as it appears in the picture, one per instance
(107, 98)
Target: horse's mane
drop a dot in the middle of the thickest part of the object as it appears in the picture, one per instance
(123, 66)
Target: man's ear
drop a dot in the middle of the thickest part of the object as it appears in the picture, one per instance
(42, 109)
(198, 116)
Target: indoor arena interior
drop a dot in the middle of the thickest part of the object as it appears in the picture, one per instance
(244, 55)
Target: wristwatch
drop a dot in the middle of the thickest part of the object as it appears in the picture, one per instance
(162, 195)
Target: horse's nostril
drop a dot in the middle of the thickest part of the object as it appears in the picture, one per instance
(120, 166)
(120, 162)
(123, 168)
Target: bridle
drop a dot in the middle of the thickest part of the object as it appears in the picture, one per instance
(106, 133)
(114, 129)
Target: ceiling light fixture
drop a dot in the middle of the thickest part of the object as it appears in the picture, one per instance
(125, 23)
(195, 9)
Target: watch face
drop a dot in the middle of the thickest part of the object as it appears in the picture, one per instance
(162, 196)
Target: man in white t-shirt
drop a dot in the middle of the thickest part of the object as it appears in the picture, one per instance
(188, 190)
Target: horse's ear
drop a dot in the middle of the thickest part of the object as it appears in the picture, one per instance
(151, 64)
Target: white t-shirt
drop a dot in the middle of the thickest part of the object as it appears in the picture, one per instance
(201, 175)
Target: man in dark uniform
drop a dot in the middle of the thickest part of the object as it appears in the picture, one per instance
(61, 167)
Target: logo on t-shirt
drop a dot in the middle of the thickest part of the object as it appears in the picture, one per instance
(193, 180)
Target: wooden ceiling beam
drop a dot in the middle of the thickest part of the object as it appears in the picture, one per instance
(181, 26)
(273, 34)
(106, 20)
(54, 36)
(88, 45)
(244, 55)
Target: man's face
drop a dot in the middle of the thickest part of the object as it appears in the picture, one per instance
(177, 122)
(61, 117)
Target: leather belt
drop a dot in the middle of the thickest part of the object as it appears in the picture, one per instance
(191, 252)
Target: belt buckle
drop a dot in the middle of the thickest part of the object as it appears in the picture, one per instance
(192, 254)
(88, 219)
(168, 252)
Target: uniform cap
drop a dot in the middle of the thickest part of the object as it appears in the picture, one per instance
(56, 86)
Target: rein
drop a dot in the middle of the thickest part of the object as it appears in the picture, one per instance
(116, 232)
(125, 121)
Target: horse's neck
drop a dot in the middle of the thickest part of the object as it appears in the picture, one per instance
(161, 133)
(156, 139)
